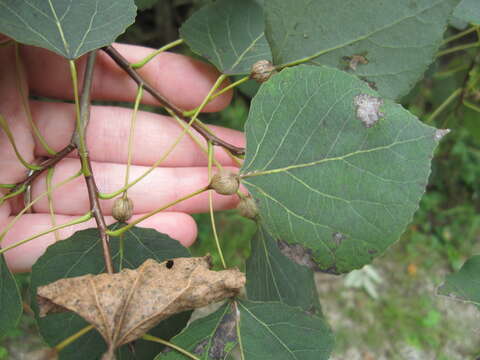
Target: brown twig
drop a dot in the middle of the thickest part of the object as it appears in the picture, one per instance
(47, 164)
(126, 66)
(89, 178)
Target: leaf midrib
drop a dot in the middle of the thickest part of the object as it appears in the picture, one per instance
(325, 160)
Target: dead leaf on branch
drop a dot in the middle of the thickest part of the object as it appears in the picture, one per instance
(124, 306)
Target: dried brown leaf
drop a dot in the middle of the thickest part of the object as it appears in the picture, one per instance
(124, 306)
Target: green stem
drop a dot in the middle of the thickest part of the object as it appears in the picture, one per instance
(459, 35)
(170, 345)
(51, 209)
(138, 98)
(447, 102)
(471, 105)
(217, 94)
(7, 186)
(122, 230)
(6, 129)
(210, 205)
(458, 48)
(79, 137)
(194, 138)
(10, 195)
(26, 106)
(33, 202)
(143, 62)
(79, 220)
(449, 72)
(170, 149)
(62, 345)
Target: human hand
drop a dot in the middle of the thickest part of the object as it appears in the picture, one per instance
(183, 81)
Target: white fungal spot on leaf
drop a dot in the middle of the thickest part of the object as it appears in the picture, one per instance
(440, 133)
(368, 109)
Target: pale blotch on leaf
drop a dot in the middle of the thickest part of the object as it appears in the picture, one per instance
(337, 238)
(355, 60)
(125, 305)
(368, 109)
(440, 133)
(303, 256)
(298, 254)
(225, 338)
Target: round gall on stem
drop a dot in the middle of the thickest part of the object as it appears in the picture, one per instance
(122, 209)
(225, 183)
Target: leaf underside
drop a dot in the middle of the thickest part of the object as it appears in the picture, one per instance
(464, 285)
(10, 299)
(82, 254)
(321, 177)
(262, 330)
(229, 33)
(69, 28)
(397, 38)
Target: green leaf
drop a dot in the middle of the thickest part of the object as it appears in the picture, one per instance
(267, 330)
(10, 299)
(229, 33)
(145, 4)
(464, 285)
(398, 39)
(271, 276)
(211, 337)
(82, 254)
(69, 28)
(326, 175)
(271, 330)
(469, 11)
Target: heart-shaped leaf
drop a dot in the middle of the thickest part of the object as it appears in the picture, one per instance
(229, 33)
(271, 276)
(464, 285)
(82, 254)
(334, 167)
(10, 299)
(69, 28)
(388, 43)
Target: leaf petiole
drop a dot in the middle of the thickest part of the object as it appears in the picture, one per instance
(122, 230)
(170, 345)
(62, 345)
(210, 205)
(79, 220)
(6, 129)
(217, 94)
(166, 47)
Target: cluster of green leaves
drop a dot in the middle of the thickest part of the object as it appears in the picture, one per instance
(335, 178)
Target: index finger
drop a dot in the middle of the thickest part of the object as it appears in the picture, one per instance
(182, 80)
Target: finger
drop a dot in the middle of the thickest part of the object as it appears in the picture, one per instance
(161, 187)
(181, 79)
(108, 132)
(178, 226)
(11, 170)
